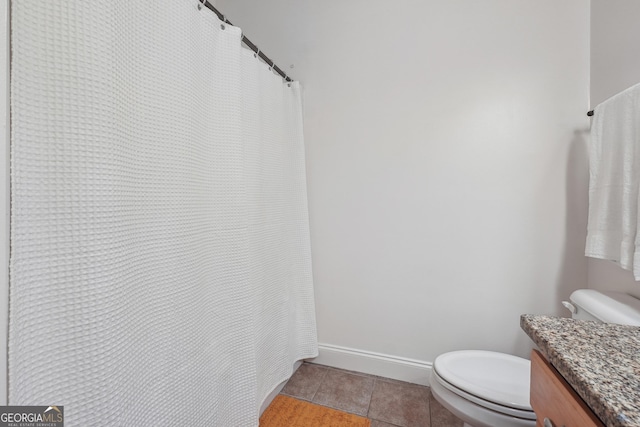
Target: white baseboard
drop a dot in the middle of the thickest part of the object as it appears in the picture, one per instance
(368, 362)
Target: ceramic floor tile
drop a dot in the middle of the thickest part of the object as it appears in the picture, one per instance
(345, 391)
(305, 382)
(360, 374)
(403, 405)
(440, 416)
(376, 423)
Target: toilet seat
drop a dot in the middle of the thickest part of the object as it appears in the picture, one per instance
(496, 381)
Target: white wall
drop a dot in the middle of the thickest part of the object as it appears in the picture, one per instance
(446, 163)
(615, 65)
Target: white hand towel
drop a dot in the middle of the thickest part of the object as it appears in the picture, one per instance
(614, 157)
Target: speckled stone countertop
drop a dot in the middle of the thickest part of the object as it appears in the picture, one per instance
(600, 361)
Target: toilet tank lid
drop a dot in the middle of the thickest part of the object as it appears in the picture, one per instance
(609, 307)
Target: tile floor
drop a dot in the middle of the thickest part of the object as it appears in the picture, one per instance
(387, 402)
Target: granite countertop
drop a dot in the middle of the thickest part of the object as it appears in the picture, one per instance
(600, 361)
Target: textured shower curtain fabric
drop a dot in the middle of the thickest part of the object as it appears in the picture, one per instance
(160, 255)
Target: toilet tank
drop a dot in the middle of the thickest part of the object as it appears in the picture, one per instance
(604, 306)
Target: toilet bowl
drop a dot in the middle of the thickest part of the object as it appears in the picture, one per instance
(489, 389)
(484, 388)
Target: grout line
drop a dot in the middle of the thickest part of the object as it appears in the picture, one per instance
(430, 415)
(375, 381)
(295, 397)
(340, 409)
(326, 371)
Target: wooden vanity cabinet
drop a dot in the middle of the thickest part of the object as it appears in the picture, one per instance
(555, 403)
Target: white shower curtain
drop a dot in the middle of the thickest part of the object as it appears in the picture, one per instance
(160, 256)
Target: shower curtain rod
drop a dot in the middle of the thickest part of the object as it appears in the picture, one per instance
(249, 43)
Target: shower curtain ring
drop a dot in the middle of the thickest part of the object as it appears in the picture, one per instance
(201, 4)
(224, 21)
(257, 52)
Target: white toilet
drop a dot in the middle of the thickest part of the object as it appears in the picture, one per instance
(489, 389)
